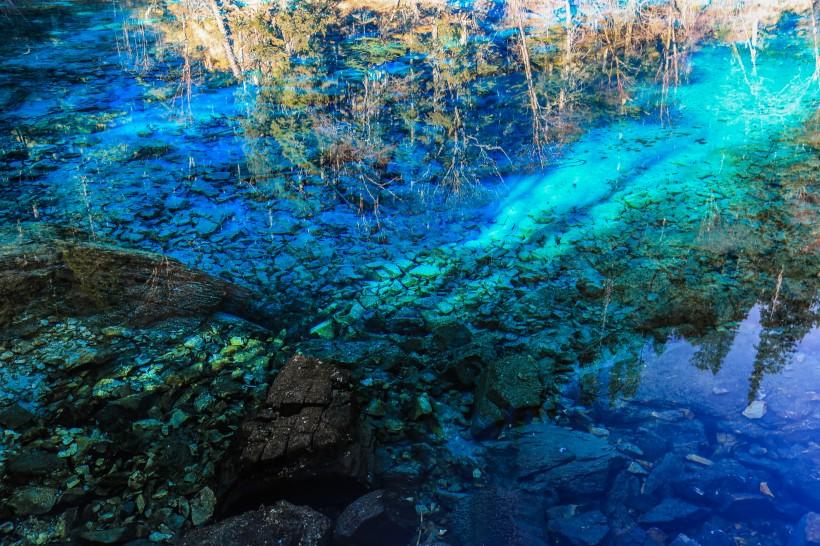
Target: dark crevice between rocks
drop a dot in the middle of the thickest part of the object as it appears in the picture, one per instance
(328, 495)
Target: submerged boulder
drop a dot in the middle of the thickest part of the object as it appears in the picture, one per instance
(33, 500)
(587, 529)
(506, 388)
(674, 513)
(807, 531)
(498, 515)
(375, 519)
(283, 524)
(573, 463)
(43, 270)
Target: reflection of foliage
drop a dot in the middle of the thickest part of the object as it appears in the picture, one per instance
(701, 287)
(713, 348)
(784, 323)
(435, 93)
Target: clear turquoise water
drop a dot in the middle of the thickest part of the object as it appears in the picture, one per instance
(662, 274)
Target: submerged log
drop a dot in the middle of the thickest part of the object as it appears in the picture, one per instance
(44, 271)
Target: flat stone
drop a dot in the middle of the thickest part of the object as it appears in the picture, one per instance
(427, 271)
(34, 462)
(587, 529)
(694, 458)
(202, 507)
(33, 500)
(15, 416)
(324, 330)
(755, 410)
(673, 512)
(284, 524)
(115, 535)
(376, 519)
(573, 462)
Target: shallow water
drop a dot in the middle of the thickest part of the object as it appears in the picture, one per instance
(654, 282)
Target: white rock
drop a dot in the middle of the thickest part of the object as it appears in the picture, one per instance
(755, 410)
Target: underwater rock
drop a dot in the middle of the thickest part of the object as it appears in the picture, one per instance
(43, 270)
(284, 524)
(202, 507)
(683, 540)
(33, 500)
(752, 507)
(15, 416)
(306, 431)
(308, 409)
(807, 531)
(506, 387)
(755, 410)
(672, 512)
(376, 519)
(498, 515)
(451, 335)
(674, 475)
(115, 535)
(587, 529)
(572, 462)
(31, 462)
(324, 330)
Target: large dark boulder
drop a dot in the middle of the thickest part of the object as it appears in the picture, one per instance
(306, 442)
(283, 524)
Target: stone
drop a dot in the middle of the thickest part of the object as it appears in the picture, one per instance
(683, 540)
(33, 500)
(755, 410)
(587, 529)
(136, 286)
(807, 531)
(426, 271)
(283, 524)
(375, 519)
(694, 458)
(573, 462)
(205, 227)
(15, 416)
(174, 203)
(506, 388)
(307, 429)
(34, 462)
(636, 468)
(324, 330)
(203, 506)
(115, 535)
(498, 516)
(451, 335)
(672, 512)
